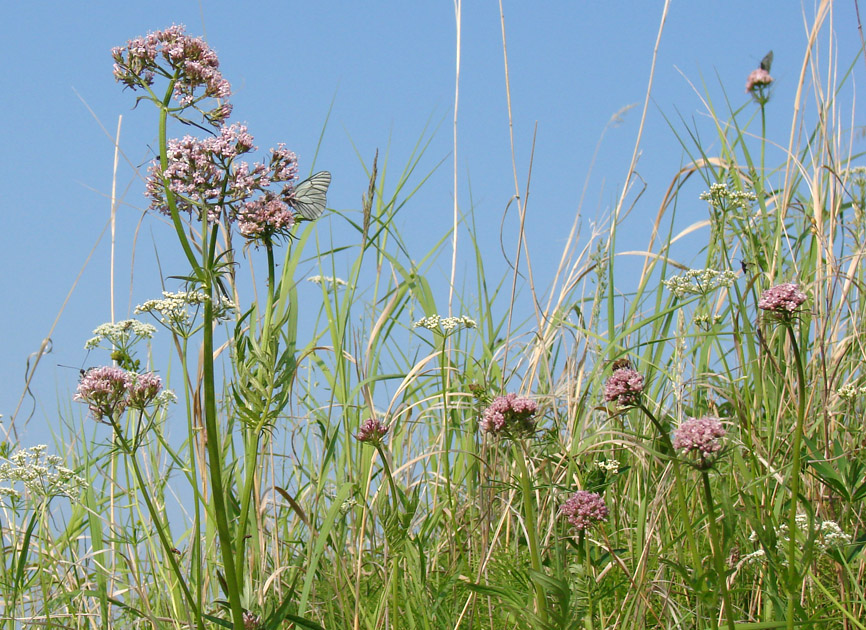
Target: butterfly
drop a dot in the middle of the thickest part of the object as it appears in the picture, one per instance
(767, 61)
(309, 196)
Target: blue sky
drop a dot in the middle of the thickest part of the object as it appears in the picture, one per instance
(388, 68)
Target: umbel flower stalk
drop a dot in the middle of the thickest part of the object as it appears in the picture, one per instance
(207, 180)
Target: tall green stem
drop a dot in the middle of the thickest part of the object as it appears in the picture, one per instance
(718, 550)
(167, 546)
(531, 524)
(681, 496)
(253, 435)
(793, 577)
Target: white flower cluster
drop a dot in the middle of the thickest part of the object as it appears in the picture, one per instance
(857, 175)
(331, 281)
(721, 197)
(434, 322)
(828, 535)
(699, 281)
(164, 397)
(609, 465)
(42, 475)
(173, 312)
(850, 392)
(120, 334)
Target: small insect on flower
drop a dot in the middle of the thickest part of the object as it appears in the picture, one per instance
(310, 196)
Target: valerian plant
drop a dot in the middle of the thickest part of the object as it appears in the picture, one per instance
(207, 182)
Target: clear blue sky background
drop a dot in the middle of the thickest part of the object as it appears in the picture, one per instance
(388, 67)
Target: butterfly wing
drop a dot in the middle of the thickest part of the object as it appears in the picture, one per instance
(310, 196)
(767, 61)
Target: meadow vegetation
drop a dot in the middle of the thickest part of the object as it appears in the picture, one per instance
(677, 448)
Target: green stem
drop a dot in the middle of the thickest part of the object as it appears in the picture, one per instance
(251, 445)
(718, 550)
(681, 496)
(195, 539)
(214, 452)
(793, 577)
(587, 619)
(169, 195)
(167, 546)
(531, 524)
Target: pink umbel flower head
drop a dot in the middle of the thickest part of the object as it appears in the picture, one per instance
(782, 299)
(701, 435)
(187, 60)
(105, 390)
(758, 78)
(509, 415)
(583, 509)
(206, 176)
(143, 389)
(624, 386)
(266, 217)
(372, 431)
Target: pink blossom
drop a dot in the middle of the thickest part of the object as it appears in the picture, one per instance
(624, 386)
(699, 434)
(143, 389)
(189, 61)
(264, 218)
(782, 298)
(371, 431)
(205, 175)
(758, 78)
(509, 414)
(105, 390)
(583, 509)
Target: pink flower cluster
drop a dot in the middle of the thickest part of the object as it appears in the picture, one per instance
(204, 176)
(264, 217)
(371, 431)
(109, 391)
(509, 414)
(758, 78)
(699, 434)
(782, 298)
(624, 386)
(583, 509)
(172, 54)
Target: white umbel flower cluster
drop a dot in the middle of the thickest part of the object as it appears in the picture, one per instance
(120, 334)
(699, 282)
(445, 324)
(43, 476)
(177, 310)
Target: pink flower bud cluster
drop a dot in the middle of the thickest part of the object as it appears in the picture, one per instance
(172, 54)
(109, 391)
(624, 386)
(782, 298)
(701, 435)
(372, 431)
(583, 509)
(509, 414)
(758, 78)
(204, 176)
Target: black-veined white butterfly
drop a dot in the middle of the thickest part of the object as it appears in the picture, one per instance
(309, 196)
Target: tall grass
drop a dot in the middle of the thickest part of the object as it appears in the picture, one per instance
(273, 507)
